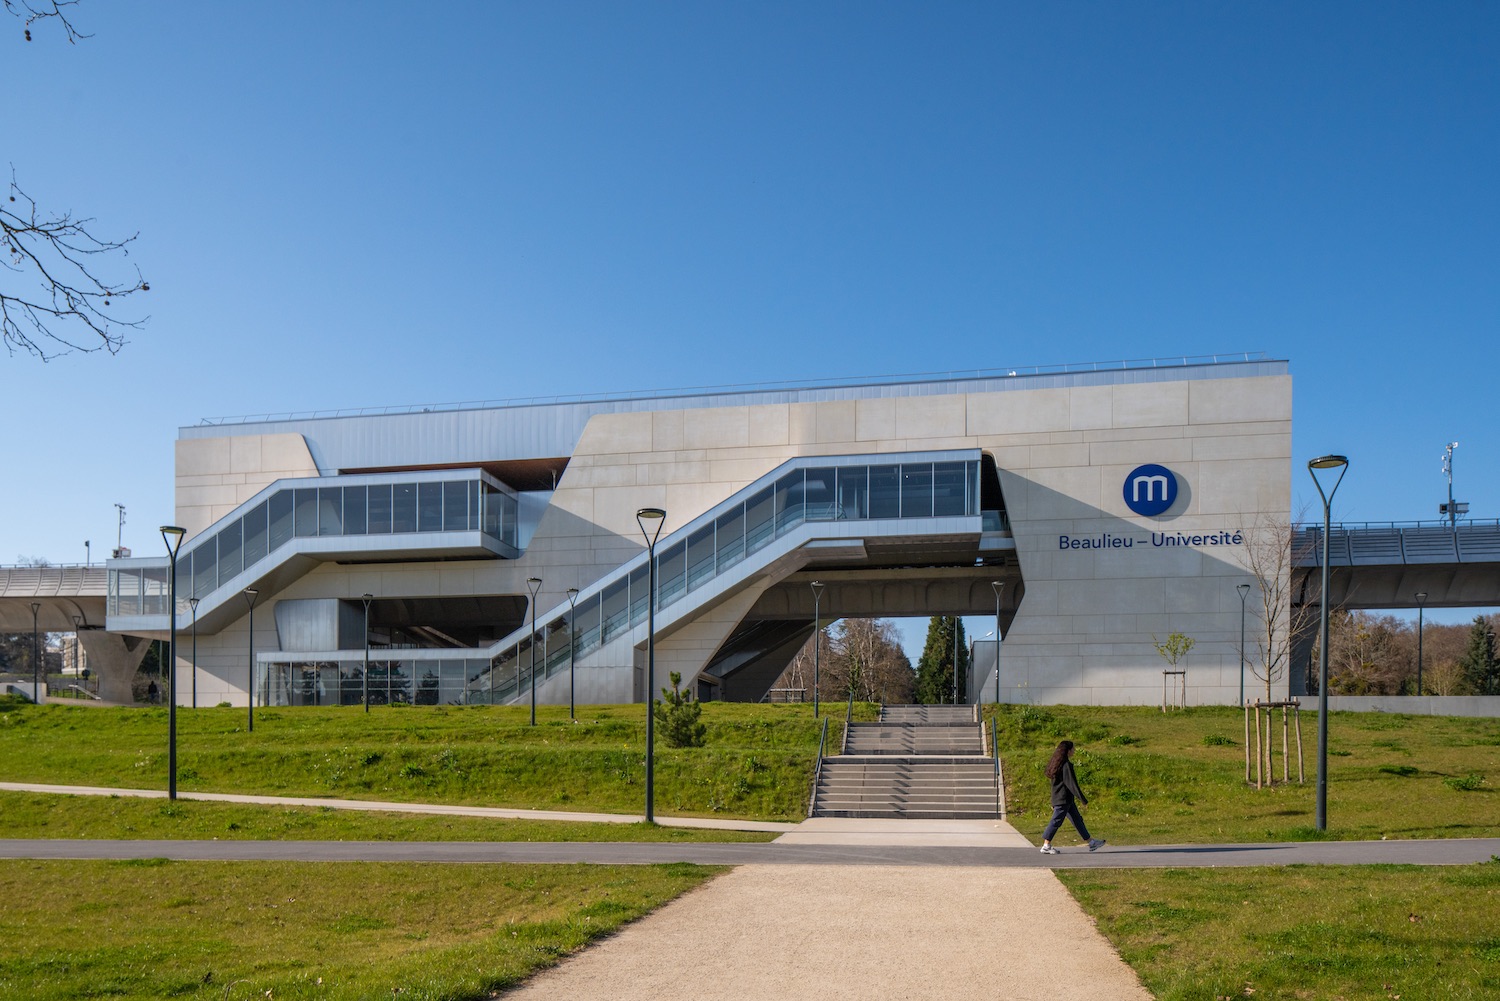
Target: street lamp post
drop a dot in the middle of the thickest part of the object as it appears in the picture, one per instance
(36, 662)
(817, 590)
(655, 517)
(997, 586)
(1244, 589)
(1421, 600)
(364, 676)
(78, 649)
(250, 595)
(572, 649)
(1341, 463)
(193, 604)
(172, 536)
(533, 585)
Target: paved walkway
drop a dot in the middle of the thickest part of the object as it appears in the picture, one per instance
(771, 933)
(494, 813)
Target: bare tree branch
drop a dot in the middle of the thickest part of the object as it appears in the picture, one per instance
(37, 11)
(1272, 548)
(54, 300)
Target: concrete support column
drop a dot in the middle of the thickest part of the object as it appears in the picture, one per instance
(114, 658)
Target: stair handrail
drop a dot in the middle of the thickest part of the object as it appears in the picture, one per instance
(812, 802)
(999, 773)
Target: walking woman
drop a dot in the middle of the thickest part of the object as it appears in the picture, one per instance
(1065, 799)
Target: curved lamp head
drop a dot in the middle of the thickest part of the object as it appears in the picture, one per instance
(1244, 589)
(172, 536)
(572, 595)
(997, 586)
(193, 604)
(1421, 597)
(817, 589)
(1339, 462)
(250, 594)
(650, 519)
(533, 584)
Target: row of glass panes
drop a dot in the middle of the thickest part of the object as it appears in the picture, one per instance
(418, 682)
(379, 509)
(853, 493)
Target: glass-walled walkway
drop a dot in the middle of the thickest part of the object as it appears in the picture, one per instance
(902, 494)
(364, 508)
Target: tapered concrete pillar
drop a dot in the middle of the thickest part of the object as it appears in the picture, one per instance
(114, 658)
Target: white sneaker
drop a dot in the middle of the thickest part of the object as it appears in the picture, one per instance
(1096, 844)
(1049, 850)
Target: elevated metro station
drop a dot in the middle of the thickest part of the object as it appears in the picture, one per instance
(1106, 505)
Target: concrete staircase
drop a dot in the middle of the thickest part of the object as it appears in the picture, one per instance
(917, 762)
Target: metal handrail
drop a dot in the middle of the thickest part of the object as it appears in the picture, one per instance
(999, 772)
(1358, 526)
(812, 802)
(1176, 361)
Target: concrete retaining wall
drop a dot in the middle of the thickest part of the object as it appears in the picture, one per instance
(1424, 705)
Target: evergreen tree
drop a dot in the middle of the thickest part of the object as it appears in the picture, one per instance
(944, 650)
(1480, 668)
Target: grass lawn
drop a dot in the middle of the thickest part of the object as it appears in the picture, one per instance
(285, 930)
(1178, 777)
(1353, 933)
(40, 815)
(757, 764)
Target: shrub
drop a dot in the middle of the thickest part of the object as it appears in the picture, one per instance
(677, 714)
(1464, 783)
(1217, 740)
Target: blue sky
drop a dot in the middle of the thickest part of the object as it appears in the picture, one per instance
(349, 204)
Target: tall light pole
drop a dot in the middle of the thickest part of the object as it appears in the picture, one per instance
(572, 648)
(955, 660)
(36, 662)
(250, 595)
(1341, 463)
(1244, 589)
(172, 536)
(193, 604)
(817, 590)
(997, 586)
(1448, 472)
(533, 585)
(651, 519)
(1421, 600)
(364, 676)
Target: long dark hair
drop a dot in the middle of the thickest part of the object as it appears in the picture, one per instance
(1064, 748)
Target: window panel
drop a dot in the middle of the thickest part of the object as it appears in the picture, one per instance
(256, 533)
(729, 538)
(916, 490)
(640, 588)
(671, 574)
(429, 507)
(950, 489)
(404, 507)
(330, 510)
(230, 542)
(205, 567)
(305, 512)
(818, 494)
(455, 506)
(616, 611)
(854, 493)
(759, 524)
(354, 510)
(789, 501)
(281, 519)
(700, 556)
(885, 491)
(378, 512)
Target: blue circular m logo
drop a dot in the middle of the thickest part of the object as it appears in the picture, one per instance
(1150, 490)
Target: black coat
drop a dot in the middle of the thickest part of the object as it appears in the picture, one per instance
(1065, 787)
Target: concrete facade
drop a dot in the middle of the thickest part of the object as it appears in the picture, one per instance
(1097, 583)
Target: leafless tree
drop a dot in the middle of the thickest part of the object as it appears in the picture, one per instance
(1272, 546)
(33, 12)
(57, 292)
(863, 653)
